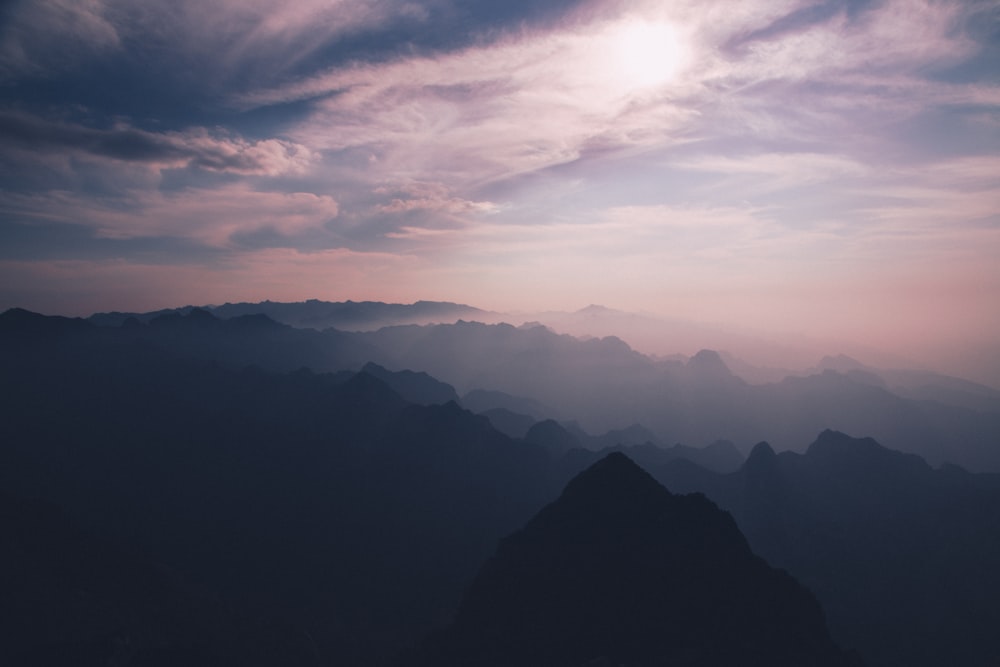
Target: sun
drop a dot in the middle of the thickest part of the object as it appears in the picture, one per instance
(645, 54)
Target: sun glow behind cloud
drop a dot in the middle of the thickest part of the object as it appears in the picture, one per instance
(645, 54)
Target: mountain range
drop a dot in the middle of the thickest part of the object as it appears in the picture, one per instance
(604, 385)
(238, 491)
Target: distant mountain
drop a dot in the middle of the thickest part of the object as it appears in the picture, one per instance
(655, 335)
(619, 571)
(419, 388)
(509, 423)
(662, 335)
(840, 363)
(243, 340)
(315, 314)
(22, 326)
(480, 400)
(916, 384)
(721, 456)
(636, 434)
(891, 547)
(553, 437)
(605, 385)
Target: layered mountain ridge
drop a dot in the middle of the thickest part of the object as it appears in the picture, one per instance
(604, 385)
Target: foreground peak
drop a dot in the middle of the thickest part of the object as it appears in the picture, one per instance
(620, 571)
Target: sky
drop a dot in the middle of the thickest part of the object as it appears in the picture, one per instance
(812, 168)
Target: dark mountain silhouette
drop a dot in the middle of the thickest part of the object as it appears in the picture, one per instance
(23, 325)
(620, 571)
(316, 314)
(117, 318)
(419, 388)
(73, 597)
(324, 503)
(249, 340)
(892, 548)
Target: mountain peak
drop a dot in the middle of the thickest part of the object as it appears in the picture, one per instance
(762, 454)
(614, 480)
(708, 358)
(860, 455)
(595, 309)
(831, 442)
(619, 570)
(841, 363)
(708, 364)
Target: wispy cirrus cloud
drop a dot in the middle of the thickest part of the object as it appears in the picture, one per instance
(524, 103)
(424, 196)
(195, 147)
(215, 217)
(533, 100)
(37, 37)
(225, 37)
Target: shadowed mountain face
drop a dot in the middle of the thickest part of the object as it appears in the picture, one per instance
(322, 503)
(620, 571)
(892, 548)
(75, 598)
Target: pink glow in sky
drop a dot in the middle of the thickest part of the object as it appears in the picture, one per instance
(828, 170)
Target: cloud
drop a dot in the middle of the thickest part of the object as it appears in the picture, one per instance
(40, 36)
(214, 217)
(846, 77)
(423, 196)
(484, 112)
(537, 99)
(890, 37)
(770, 172)
(949, 209)
(223, 38)
(195, 147)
